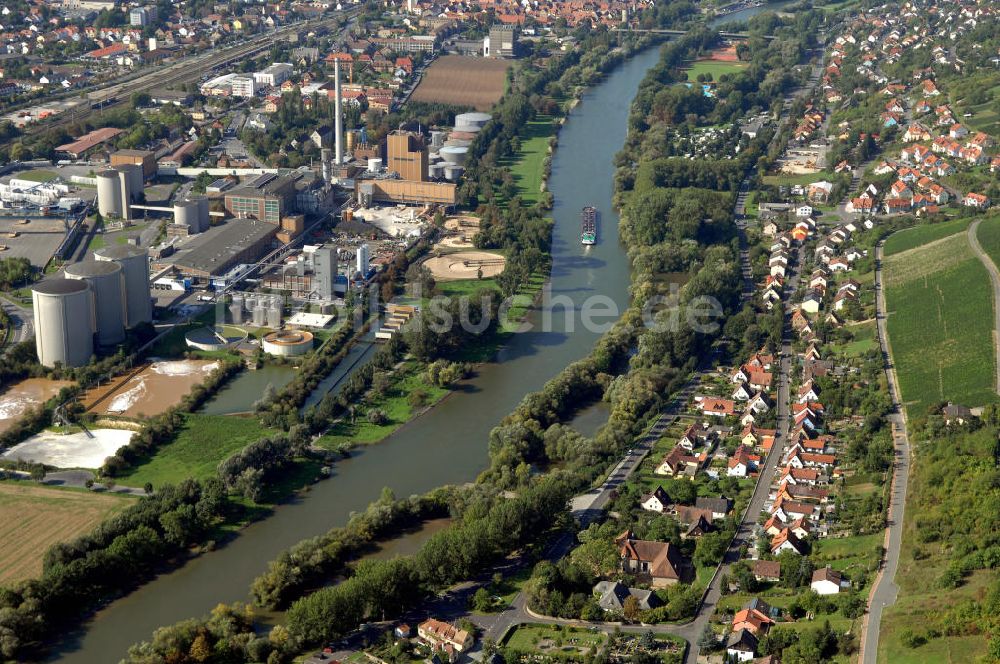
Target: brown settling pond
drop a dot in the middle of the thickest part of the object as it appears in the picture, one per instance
(150, 390)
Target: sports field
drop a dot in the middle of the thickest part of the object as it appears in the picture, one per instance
(33, 518)
(713, 67)
(463, 81)
(940, 306)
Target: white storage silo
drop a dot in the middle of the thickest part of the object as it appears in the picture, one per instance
(204, 221)
(436, 170)
(259, 312)
(454, 154)
(361, 262)
(64, 322)
(375, 165)
(274, 313)
(186, 214)
(437, 139)
(236, 309)
(453, 172)
(109, 194)
(107, 283)
(471, 122)
(133, 175)
(135, 267)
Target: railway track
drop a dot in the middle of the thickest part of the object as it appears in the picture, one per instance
(184, 71)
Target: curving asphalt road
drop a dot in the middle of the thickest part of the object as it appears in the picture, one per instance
(884, 590)
(991, 267)
(23, 320)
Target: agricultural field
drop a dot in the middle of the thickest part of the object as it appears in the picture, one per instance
(203, 442)
(940, 320)
(911, 238)
(33, 518)
(463, 81)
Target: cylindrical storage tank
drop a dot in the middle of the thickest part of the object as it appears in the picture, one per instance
(288, 342)
(107, 283)
(135, 268)
(186, 214)
(436, 170)
(454, 154)
(204, 221)
(350, 138)
(374, 165)
(274, 313)
(236, 310)
(109, 194)
(437, 138)
(471, 122)
(64, 322)
(456, 143)
(133, 173)
(452, 172)
(259, 312)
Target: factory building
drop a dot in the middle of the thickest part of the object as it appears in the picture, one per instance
(221, 248)
(405, 192)
(107, 284)
(407, 155)
(64, 322)
(144, 158)
(267, 198)
(501, 42)
(134, 262)
(274, 75)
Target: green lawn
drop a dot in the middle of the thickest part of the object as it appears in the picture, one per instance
(395, 404)
(864, 339)
(36, 175)
(790, 179)
(528, 167)
(910, 238)
(204, 441)
(715, 68)
(940, 307)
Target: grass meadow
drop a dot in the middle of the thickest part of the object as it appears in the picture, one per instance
(918, 236)
(940, 320)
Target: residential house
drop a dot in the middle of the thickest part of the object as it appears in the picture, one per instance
(741, 645)
(656, 501)
(658, 561)
(440, 635)
(787, 541)
(719, 506)
(828, 581)
(766, 570)
(613, 595)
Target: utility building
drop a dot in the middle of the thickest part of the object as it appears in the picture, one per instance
(324, 271)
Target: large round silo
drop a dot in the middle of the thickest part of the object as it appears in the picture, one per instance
(236, 309)
(186, 214)
(453, 172)
(274, 313)
(259, 312)
(203, 217)
(135, 266)
(109, 194)
(471, 122)
(454, 154)
(108, 286)
(133, 174)
(64, 322)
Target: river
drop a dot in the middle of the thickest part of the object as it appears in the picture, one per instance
(448, 444)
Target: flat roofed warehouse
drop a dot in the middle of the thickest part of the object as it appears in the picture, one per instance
(216, 251)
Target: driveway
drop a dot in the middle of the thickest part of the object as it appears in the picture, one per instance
(884, 590)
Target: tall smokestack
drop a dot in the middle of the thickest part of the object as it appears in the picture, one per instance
(338, 155)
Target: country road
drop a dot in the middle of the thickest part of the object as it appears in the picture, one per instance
(991, 267)
(884, 590)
